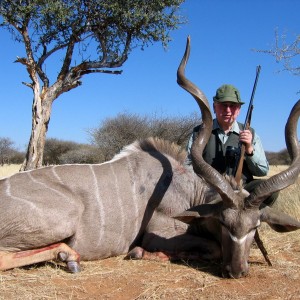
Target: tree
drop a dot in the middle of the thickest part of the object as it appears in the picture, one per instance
(285, 52)
(8, 154)
(6, 145)
(87, 36)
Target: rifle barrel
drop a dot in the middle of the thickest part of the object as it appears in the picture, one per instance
(240, 160)
(250, 107)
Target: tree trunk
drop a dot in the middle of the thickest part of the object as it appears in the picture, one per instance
(41, 111)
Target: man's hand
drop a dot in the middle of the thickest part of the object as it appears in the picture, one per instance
(246, 139)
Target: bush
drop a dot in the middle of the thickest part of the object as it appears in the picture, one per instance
(278, 158)
(114, 133)
(54, 148)
(8, 154)
(83, 155)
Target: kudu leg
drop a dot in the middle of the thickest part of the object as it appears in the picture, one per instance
(61, 251)
(140, 253)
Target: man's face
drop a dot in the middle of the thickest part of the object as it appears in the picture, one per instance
(226, 113)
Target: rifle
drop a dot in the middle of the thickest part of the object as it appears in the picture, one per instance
(238, 174)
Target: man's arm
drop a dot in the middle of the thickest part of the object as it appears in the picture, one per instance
(257, 163)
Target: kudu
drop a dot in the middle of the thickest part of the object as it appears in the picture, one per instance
(143, 200)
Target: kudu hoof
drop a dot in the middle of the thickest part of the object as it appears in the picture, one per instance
(73, 266)
(135, 253)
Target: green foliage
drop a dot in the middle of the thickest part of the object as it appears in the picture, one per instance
(113, 27)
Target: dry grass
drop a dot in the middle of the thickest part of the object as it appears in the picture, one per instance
(8, 170)
(115, 278)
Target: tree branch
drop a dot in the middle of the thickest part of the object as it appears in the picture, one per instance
(28, 84)
(116, 72)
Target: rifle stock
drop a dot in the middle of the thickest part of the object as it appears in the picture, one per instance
(238, 174)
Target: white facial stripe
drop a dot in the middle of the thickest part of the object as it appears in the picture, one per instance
(236, 240)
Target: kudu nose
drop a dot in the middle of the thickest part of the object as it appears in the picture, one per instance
(238, 275)
(229, 273)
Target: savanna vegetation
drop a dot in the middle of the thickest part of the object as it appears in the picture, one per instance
(112, 135)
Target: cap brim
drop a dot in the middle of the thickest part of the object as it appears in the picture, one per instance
(228, 99)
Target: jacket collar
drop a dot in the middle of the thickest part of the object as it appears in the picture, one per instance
(235, 127)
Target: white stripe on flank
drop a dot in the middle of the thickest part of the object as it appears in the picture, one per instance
(8, 193)
(100, 206)
(56, 175)
(119, 208)
(48, 187)
(134, 199)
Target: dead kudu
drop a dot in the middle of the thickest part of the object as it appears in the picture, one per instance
(142, 201)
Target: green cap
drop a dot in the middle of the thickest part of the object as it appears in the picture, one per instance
(228, 93)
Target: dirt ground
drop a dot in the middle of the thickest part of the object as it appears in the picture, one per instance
(116, 278)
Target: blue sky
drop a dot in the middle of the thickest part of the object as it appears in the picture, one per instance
(223, 34)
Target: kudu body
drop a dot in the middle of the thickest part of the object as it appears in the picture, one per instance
(145, 199)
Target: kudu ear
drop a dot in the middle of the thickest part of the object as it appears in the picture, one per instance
(200, 211)
(279, 221)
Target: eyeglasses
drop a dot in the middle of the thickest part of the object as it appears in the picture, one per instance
(225, 105)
